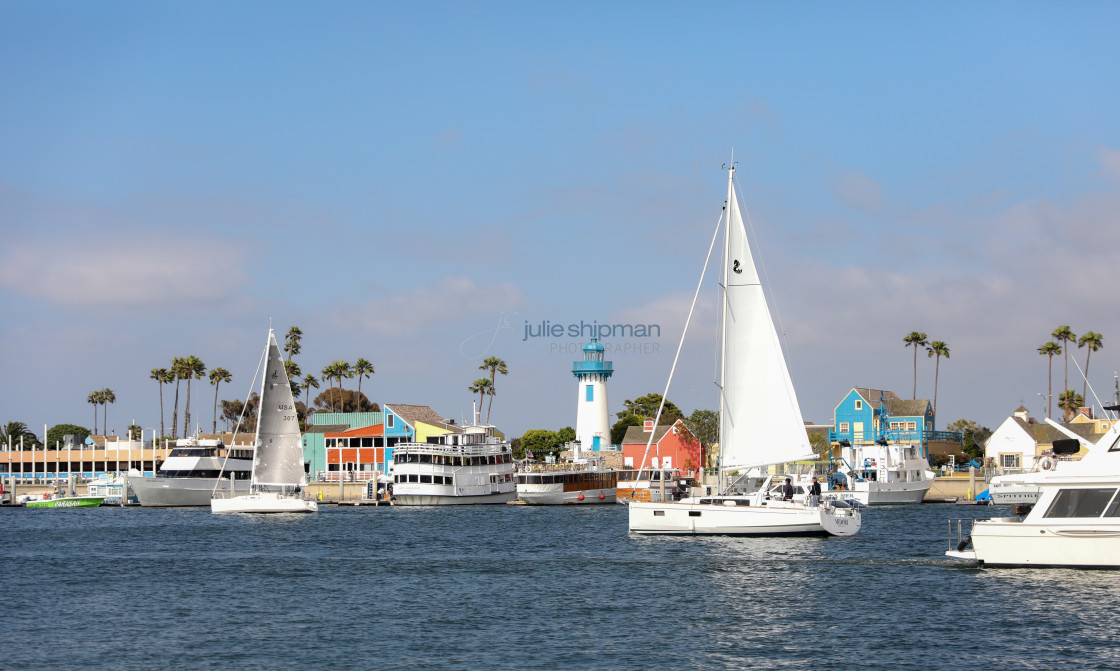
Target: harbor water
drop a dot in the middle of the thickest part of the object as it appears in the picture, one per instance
(517, 587)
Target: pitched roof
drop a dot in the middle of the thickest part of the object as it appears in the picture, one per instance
(873, 395)
(422, 413)
(907, 407)
(1044, 434)
(637, 435)
(327, 428)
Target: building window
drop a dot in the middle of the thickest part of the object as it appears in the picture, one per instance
(911, 426)
(1009, 461)
(843, 427)
(389, 420)
(590, 393)
(859, 405)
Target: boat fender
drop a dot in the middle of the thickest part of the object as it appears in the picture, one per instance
(602, 496)
(580, 497)
(964, 543)
(1046, 463)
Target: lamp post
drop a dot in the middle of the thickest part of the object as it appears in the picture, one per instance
(1045, 402)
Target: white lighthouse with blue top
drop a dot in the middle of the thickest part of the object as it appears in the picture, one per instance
(593, 428)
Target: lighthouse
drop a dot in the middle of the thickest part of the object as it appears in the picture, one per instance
(593, 429)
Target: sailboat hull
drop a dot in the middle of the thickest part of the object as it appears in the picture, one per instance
(263, 503)
(741, 520)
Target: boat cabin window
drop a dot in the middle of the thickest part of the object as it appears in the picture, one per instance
(1080, 502)
(1115, 444)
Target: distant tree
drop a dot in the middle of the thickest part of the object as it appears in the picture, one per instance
(309, 382)
(821, 447)
(646, 407)
(1050, 349)
(178, 372)
(291, 368)
(937, 349)
(217, 377)
(362, 368)
(482, 386)
(1094, 341)
(1070, 401)
(567, 435)
(94, 399)
(916, 339)
(12, 432)
(193, 369)
(231, 412)
(162, 376)
(107, 397)
(541, 442)
(328, 376)
(56, 434)
(495, 366)
(973, 437)
(704, 424)
(618, 429)
(344, 400)
(292, 341)
(135, 432)
(1064, 335)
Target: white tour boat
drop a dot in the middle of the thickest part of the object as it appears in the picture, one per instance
(1074, 523)
(760, 418)
(189, 476)
(473, 467)
(277, 478)
(884, 473)
(1023, 488)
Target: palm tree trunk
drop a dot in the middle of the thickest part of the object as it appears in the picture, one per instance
(1065, 355)
(915, 396)
(175, 412)
(187, 411)
(105, 417)
(215, 428)
(160, 409)
(936, 376)
(1050, 389)
(95, 419)
(1085, 382)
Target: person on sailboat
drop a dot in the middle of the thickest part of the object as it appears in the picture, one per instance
(814, 493)
(787, 490)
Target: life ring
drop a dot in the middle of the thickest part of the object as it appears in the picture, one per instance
(1046, 463)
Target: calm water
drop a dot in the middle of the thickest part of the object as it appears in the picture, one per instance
(512, 587)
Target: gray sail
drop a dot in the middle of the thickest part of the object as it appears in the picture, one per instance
(279, 453)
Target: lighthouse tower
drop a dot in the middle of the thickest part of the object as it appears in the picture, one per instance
(593, 429)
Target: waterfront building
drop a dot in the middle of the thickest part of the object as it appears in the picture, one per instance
(593, 429)
(314, 437)
(865, 416)
(673, 446)
(1020, 440)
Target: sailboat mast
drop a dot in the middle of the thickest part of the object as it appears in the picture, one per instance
(723, 414)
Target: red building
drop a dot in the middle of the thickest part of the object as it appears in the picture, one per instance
(673, 447)
(360, 451)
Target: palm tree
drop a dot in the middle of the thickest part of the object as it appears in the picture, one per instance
(495, 366)
(938, 349)
(309, 381)
(1063, 335)
(362, 368)
(12, 432)
(292, 341)
(916, 338)
(160, 375)
(1050, 349)
(217, 376)
(328, 374)
(107, 397)
(178, 372)
(193, 369)
(1070, 401)
(342, 369)
(1094, 342)
(94, 399)
(482, 386)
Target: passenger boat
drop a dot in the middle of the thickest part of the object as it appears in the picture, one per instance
(1075, 522)
(473, 467)
(190, 475)
(567, 482)
(1022, 488)
(760, 419)
(885, 473)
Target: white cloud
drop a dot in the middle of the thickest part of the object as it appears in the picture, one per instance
(444, 302)
(858, 190)
(114, 271)
(1110, 161)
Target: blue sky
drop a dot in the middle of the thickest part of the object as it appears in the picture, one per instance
(397, 180)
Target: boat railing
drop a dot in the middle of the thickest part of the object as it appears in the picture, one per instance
(960, 533)
(470, 449)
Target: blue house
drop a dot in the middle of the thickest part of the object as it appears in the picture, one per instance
(865, 416)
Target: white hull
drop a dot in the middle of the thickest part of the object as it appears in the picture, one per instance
(1014, 493)
(1011, 542)
(172, 492)
(263, 503)
(443, 500)
(552, 495)
(775, 519)
(877, 493)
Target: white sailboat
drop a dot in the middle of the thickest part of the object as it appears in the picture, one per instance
(760, 419)
(278, 476)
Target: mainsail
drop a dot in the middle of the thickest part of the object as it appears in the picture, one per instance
(760, 419)
(279, 452)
